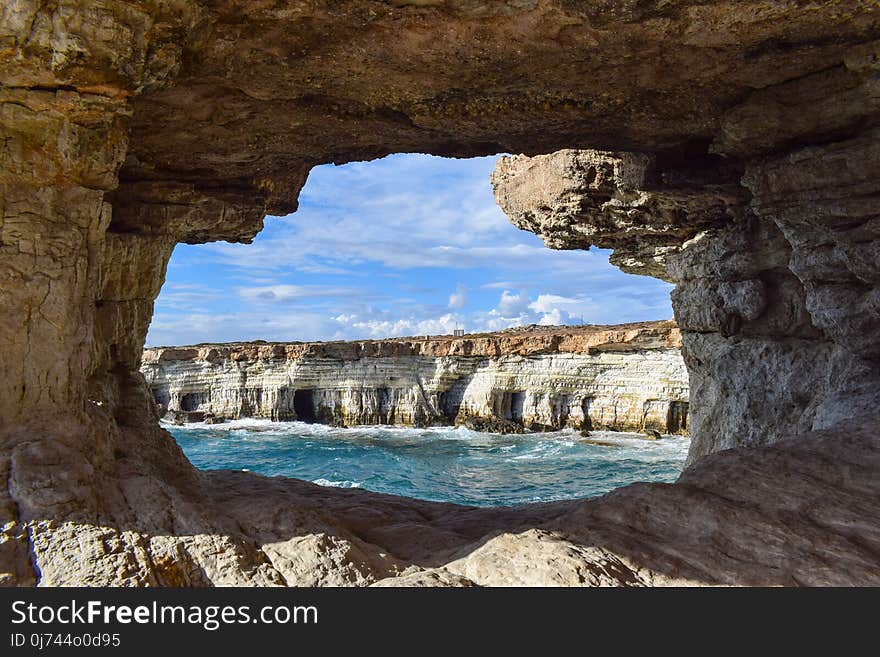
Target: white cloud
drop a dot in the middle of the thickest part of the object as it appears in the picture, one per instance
(551, 318)
(187, 296)
(403, 212)
(550, 302)
(512, 304)
(458, 299)
(192, 328)
(283, 293)
(400, 327)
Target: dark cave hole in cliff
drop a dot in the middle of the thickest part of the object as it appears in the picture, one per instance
(161, 398)
(304, 406)
(408, 245)
(585, 408)
(677, 417)
(190, 401)
(517, 403)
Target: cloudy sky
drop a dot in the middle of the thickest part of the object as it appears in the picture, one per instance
(406, 245)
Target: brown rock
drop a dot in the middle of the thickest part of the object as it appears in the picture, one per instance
(130, 126)
(574, 199)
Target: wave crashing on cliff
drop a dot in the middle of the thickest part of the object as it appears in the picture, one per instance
(443, 464)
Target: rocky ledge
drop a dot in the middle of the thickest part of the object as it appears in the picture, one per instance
(770, 516)
(628, 377)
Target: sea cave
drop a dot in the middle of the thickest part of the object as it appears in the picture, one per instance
(729, 150)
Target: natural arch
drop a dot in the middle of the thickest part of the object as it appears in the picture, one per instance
(129, 127)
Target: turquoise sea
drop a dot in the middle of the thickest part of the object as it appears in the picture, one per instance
(444, 464)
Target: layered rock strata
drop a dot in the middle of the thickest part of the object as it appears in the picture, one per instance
(127, 127)
(621, 378)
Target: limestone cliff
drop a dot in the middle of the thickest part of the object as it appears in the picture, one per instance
(624, 378)
(735, 150)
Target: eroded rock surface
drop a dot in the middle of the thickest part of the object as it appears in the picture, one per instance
(127, 127)
(776, 291)
(715, 526)
(575, 199)
(620, 378)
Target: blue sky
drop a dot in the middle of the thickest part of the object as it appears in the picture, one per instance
(406, 245)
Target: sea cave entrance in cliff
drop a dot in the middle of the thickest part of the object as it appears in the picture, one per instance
(412, 300)
(304, 406)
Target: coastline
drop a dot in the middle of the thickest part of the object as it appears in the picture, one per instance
(628, 377)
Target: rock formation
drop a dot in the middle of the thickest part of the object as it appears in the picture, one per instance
(775, 290)
(749, 177)
(622, 378)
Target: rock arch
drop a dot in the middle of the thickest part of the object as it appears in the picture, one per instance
(129, 127)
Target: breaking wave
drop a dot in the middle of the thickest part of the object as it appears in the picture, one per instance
(445, 464)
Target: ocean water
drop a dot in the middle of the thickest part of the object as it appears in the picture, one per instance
(443, 464)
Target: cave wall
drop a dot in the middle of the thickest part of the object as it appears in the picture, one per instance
(774, 256)
(799, 350)
(128, 127)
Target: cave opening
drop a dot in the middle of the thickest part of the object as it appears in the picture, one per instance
(677, 419)
(585, 410)
(384, 406)
(321, 321)
(517, 405)
(160, 396)
(304, 406)
(191, 401)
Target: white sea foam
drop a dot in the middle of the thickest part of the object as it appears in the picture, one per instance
(336, 484)
(624, 445)
(621, 445)
(256, 425)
